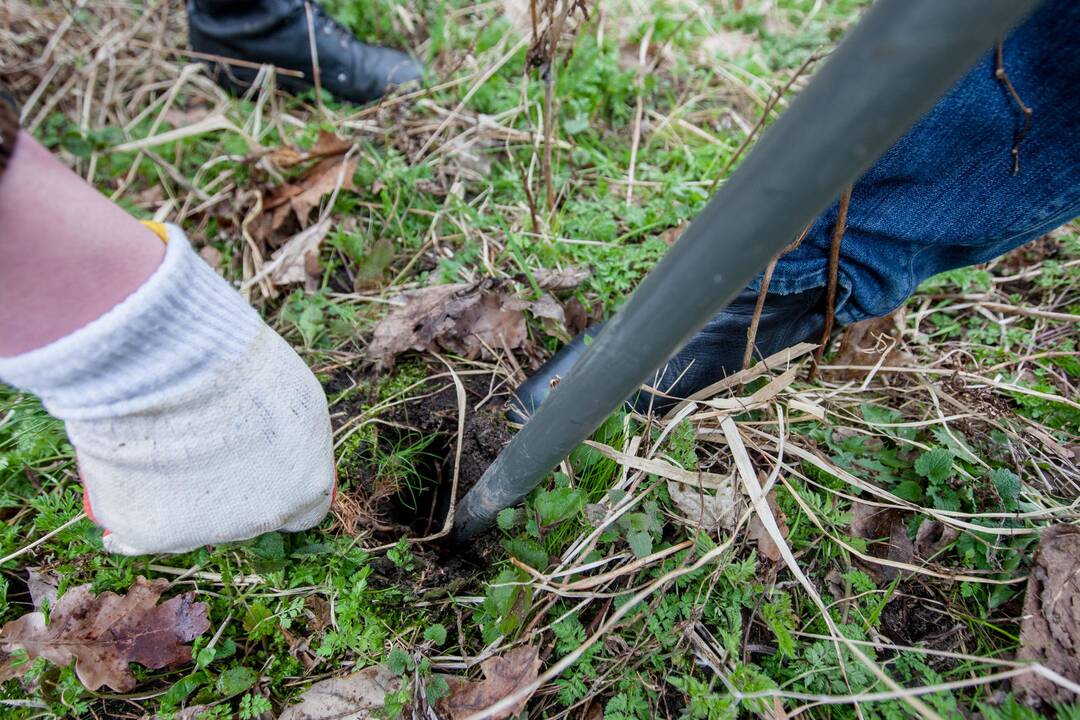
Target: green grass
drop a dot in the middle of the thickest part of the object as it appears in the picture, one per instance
(739, 625)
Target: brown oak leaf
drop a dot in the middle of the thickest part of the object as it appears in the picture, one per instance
(502, 676)
(103, 634)
(326, 145)
(468, 319)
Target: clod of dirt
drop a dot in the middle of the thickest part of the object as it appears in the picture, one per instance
(1050, 630)
(886, 537)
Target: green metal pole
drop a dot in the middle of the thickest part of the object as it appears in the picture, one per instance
(892, 68)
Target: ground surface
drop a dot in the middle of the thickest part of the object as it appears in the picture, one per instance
(632, 596)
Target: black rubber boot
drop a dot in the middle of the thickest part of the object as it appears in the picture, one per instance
(276, 32)
(712, 354)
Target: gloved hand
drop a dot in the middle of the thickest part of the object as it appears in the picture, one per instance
(193, 422)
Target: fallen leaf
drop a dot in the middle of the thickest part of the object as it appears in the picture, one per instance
(105, 633)
(297, 261)
(886, 537)
(577, 316)
(358, 696)
(593, 711)
(672, 234)
(43, 585)
(863, 344)
(766, 546)
(468, 319)
(304, 194)
(932, 537)
(326, 145)
(1050, 629)
(502, 676)
(705, 510)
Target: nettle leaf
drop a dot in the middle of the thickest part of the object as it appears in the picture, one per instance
(398, 661)
(945, 498)
(908, 490)
(507, 518)
(640, 543)
(528, 552)
(935, 465)
(557, 505)
(435, 633)
(1008, 487)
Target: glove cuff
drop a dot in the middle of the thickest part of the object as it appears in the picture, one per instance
(181, 324)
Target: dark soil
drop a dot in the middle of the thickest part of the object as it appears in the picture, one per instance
(485, 433)
(370, 501)
(908, 619)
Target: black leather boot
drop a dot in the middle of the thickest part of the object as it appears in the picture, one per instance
(276, 32)
(712, 354)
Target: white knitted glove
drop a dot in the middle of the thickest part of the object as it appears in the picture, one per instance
(193, 422)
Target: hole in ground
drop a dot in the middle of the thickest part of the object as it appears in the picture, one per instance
(401, 479)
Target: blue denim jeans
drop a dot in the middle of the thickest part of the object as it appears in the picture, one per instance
(945, 194)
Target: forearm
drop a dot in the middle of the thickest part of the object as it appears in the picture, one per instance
(67, 254)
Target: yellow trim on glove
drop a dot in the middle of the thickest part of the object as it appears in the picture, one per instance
(158, 229)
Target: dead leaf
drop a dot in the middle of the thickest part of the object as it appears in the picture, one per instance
(672, 234)
(502, 676)
(865, 342)
(555, 279)
(326, 145)
(766, 546)
(299, 197)
(357, 696)
(297, 261)
(577, 317)
(43, 585)
(593, 711)
(1050, 629)
(105, 633)
(932, 537)
(468, 319)
(886, 537)
(705, 510)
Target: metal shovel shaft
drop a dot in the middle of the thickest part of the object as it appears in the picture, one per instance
(902, 56)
